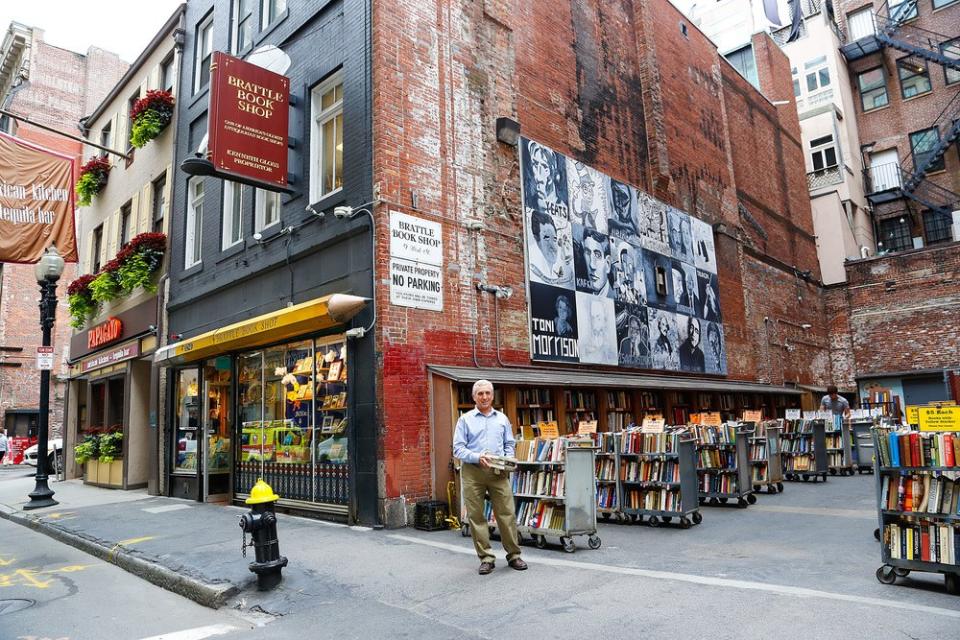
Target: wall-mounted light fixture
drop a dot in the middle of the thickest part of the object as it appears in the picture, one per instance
(508, 131)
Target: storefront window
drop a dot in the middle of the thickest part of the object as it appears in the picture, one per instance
(98, 405)
(331, 423)
(187, 421)
(219, 423)
(249, 416)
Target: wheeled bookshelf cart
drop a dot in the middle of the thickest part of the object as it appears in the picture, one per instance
(607, 474)
(862, 445)
(723, 465)
(917, 534)
(766, 469)
(658, 477)
(838, 446)
(803, 450)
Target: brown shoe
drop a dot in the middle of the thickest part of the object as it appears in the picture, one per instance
(486, 567)
(518, 564)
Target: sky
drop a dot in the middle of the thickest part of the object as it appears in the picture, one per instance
(122, 26)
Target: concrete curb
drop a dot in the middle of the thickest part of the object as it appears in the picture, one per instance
(209, 595)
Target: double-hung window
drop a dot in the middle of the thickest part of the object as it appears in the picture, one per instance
(914, 77)
(126, 215)
(951, 49)
(242, 36)
(202, 54)
(106, 136)
(818, 74)
(96, 249)
(895, 234)
(326, 141)
(193, 236)
(936, 226)
(873, 89)
(744, 62)
(232, 214)
(923, 144)
(159, 205)
(272, 10)
(267, 209)
(823, 153)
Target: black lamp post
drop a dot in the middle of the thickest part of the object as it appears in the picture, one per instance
(48, 270)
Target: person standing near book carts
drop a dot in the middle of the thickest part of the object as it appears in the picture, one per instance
(481, 433)
(835, 403)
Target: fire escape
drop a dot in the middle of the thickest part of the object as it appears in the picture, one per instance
(889, 182)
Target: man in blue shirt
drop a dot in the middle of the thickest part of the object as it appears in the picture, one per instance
(483, 432)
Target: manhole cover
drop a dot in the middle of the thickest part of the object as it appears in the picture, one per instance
(15, 604)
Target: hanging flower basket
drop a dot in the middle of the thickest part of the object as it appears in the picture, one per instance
(93, 178)
(150, 115)
(81, 302)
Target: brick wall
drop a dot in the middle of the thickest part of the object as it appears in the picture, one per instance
(619, 86)
(58, 95)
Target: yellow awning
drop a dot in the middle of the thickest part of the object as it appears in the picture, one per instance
(302, 319)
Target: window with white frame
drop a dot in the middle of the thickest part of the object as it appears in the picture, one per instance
(744, 62)
(166, 74)
(106, 136)
(823, 153)
(817, 73)
(232, 214)
(796, 82)
(903, 11)
(914, 77)
(873, 89)
(860, 24)
(326, 138)
(202, 53)
(194, 222)
(242, 26)
(951, 49)
(267, 209)
(272, 10)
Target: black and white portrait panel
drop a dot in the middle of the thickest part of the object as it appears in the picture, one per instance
(592, 263)
(715, 353)
(685, 291)
(709, 292)
(664, 340)
(550, 249)
(628, 283)
(622, 206)
(690, 329)
(653, 224)
(681, 238)
(633, 336)
(658, 278)
(544, 179)
(596, 323)
(553, 323)
(587, 189)
(704, 256)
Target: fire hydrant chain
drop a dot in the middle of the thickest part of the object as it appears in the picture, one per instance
(261, 524)
(243, 543)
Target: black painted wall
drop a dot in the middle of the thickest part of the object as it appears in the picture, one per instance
(322, 257)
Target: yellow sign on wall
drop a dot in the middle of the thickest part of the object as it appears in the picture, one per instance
(945, 418)
(548, 429)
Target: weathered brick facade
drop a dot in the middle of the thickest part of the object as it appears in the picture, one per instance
(631, 88)
(60, 89)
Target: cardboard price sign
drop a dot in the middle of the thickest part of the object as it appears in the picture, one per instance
(652, 425)
(945, 418)
(586, 427)
(793, 414)
(548, 429)
(753, 415)
(711, 418)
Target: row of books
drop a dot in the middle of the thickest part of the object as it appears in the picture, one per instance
(334, 401)
(835, 459)
(635, 441)
(717, 482)
(759, 473)
(758, 451)
(618, 420)
(606, 469)
(604, 442)
(573, 419)
(534, 397)
(925, 542)
(834, 441)
(541, 483)
(724, 434)
(792, 427)
(916, 449)
(653, 499)
(920, 493)
(541, 514)
(716, 459)
(580, 400)
(801, 463)
(650, 471)
(530, 417)
(540, 450)
(619, 400)
(797, 445)
(607, 497)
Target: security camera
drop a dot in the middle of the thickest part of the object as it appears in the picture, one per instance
(356, 332)
(504, 293)
(343, 211)
(309, 209)
(258, 236)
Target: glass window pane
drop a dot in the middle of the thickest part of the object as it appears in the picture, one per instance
(329, 148)
(796, 87)
(817, 161)
(328, 99)
(250, 455)
(187, 419)
(812, 82)
(338, 92)
(914, 79)
(830, 156)
(272, 213)
(236, 220)
(217, 376)
(824, 77)
(338, 155)
(331, 423)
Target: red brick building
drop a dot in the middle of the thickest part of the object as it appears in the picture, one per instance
(636, 92)
(54, 87)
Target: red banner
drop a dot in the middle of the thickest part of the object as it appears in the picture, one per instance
(248, 120)
(36, 202)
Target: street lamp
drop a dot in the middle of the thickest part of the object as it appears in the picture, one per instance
(48, 271)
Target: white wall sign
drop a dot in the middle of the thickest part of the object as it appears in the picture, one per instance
(45, 358)
(415, 284)
(415, 239)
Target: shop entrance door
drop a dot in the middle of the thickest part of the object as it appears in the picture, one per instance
(217, 429)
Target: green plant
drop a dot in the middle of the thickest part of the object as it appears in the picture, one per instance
(111, 446)
(87, 450)
(150, 116)
(135, 272)
(82, 305)
(104, 287)
(93, 177)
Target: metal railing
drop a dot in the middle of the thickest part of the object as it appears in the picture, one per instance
(947, 126)
(891, 26)
(884, 177)
(892, 177)
(824, 178)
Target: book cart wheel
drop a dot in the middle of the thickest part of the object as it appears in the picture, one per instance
(702, 501)
(568, 544)
(771, 489)
(653, 521)
(751, 498)
(465, 530)
(541, 541)
(902, 573)
(605, 516)
(780, 487)
(667, 519)
(886, 575)
(697, 518)
(593, 542)
(742, 503)
(952, 582)
(876, 534)
(833, 471)
(685, 522)
(806, 478)
(636, 518)
(723, 501)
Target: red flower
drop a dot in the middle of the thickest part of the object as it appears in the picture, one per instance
(80, 285)
(161, 101)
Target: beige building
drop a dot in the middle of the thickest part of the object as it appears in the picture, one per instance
(111, 387)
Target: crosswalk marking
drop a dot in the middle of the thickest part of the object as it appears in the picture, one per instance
(197, 633)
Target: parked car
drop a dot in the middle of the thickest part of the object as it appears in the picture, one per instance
(54, 455)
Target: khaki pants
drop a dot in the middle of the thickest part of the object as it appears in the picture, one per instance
(476, 481)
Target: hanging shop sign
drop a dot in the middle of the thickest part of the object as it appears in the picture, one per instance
(416, 262)
(36, 202)
(249, 116)
(104, 333)
(111, 356)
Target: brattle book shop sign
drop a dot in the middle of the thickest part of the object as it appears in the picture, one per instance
(249, 114)
(416, 262)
